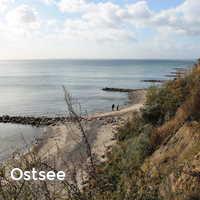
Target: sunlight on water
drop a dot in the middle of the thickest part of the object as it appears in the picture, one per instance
(35, 87)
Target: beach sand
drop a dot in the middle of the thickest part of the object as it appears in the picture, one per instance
(64, 142)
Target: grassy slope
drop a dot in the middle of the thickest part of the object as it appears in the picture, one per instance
(158, 152)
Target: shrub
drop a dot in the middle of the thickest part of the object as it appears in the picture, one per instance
(132, 128)
(162, 103)
(127, 157)
(194, 196)
(195, 104)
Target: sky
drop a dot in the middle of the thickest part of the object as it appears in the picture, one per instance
(136, 29)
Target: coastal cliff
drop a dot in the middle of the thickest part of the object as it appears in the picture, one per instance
(148, 151)
(157, 155)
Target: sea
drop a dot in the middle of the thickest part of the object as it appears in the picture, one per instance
(35, 88)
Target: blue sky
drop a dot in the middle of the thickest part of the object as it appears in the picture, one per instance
(99, 29)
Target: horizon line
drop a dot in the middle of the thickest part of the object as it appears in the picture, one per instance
(29, 59)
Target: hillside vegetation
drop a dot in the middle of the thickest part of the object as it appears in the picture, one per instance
(157, 155)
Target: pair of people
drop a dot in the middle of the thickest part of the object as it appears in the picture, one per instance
(113, 107)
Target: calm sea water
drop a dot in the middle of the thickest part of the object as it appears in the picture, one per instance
(34, 87)
(16, 137)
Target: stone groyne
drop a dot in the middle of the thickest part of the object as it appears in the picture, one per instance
(33, 121)
(120, 90)
(153, 81)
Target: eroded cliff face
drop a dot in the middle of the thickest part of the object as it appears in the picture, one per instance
(158, 152)
(175, 166)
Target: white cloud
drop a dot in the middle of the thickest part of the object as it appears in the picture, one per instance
(110, 21)
(48, 2)
(23, 19)
(190, 10)
(98, 21)
(89, 31)
(104, 15)
(4, 4)
(107, 23)
(72, 5)
(183, 19)
(106, 11)
(139, 10)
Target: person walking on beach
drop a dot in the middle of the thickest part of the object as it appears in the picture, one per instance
(118, 107)
(113, 107)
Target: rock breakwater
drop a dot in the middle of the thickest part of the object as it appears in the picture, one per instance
(119, 89)
(33, 121)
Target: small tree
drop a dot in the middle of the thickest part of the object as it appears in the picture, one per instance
(198, 61)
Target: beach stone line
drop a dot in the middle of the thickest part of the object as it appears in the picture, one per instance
(119, 89)
(33, 121)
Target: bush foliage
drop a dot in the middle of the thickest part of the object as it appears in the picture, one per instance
(167, 107)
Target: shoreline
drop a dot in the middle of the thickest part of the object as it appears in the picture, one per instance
(43, 121)
(56, 130)
(65, 142)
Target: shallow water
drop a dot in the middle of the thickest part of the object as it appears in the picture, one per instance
(14, 137)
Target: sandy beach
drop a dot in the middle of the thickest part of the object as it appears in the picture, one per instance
(65, 143)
